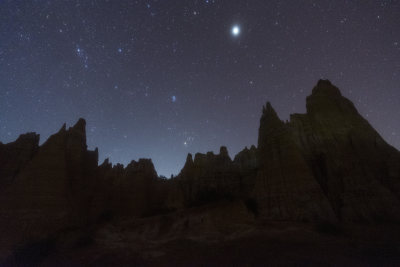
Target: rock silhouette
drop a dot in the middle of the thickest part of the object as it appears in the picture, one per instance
(15, 155)
(325, 166)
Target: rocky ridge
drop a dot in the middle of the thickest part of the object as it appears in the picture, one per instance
(328, 164)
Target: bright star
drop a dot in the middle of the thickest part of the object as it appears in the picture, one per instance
(235, 30)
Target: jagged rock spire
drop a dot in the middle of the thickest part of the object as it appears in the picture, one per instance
(269, 114)
(325, 87)
(326, 100)
(63, 128)
(268, 109)
(269, 123)
(223, 151)
(80, 126)
(189, 159)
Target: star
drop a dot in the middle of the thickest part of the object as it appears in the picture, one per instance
(235, 30)
(166, 62)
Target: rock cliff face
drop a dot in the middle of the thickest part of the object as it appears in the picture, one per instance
(247, 162)
(326, 165)
(132, 191)
(357, 170)
(50, 185)
(15, 155)
(208, 177)
(285, 187)
(329, 159)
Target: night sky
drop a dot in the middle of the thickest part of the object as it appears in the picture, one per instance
(160, 79)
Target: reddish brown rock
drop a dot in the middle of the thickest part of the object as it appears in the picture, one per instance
(246, 161)
(50, 191)
(134, 191)
(326, 165)
(14, 156)
(285, 187)
(141, 193)
(355, 167)
(209, 177)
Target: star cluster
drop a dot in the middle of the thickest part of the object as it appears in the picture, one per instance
(160, 79)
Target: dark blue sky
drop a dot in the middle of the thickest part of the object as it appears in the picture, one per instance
(160, 79)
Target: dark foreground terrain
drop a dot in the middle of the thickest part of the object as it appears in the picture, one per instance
(320, 189)
(156, 241)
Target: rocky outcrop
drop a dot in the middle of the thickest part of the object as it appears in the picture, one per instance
(15, 155)
(133, 191)
(355, 167)
(247, 163)
(285, 186)
(328, 164)
(140, 189)
(208, 177)
(51, 191)
(247, 159)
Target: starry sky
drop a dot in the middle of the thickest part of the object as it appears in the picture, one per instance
(163, 78)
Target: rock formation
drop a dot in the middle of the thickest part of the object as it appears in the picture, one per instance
(208, 177)
(49, 187)
(326, 165)
(285, 187)
(15, 155)
(356, 168)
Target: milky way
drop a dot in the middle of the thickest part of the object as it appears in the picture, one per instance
(161, 79)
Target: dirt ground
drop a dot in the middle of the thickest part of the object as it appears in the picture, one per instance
(204, 238)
